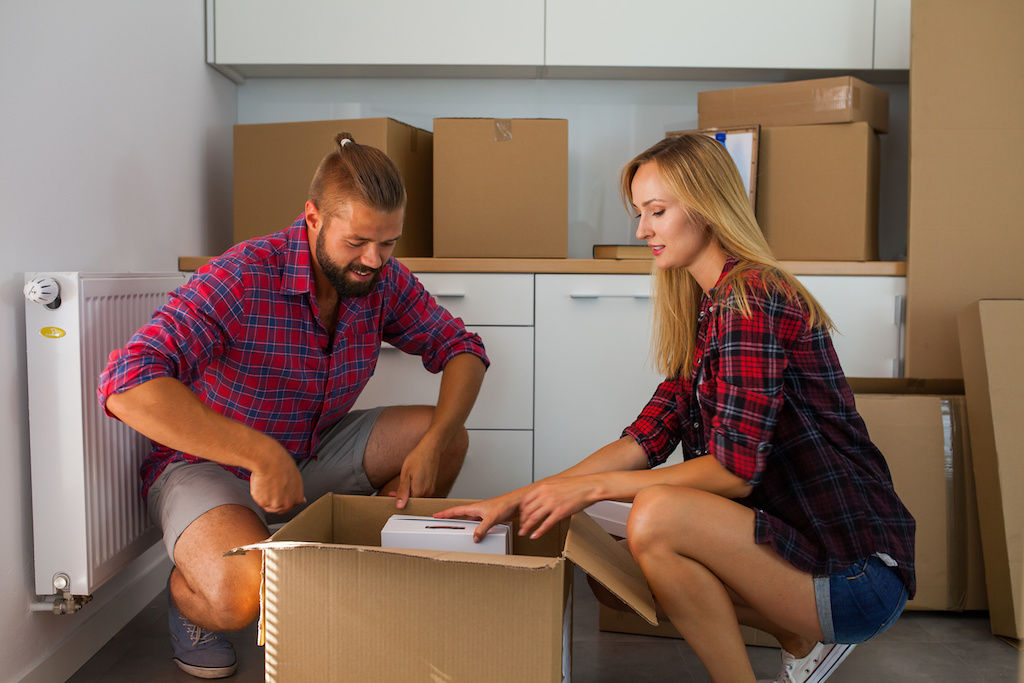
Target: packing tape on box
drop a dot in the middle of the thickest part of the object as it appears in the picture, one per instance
(954, 460)
(836, 98)
(502, 130)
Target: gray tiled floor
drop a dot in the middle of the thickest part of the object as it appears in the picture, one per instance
(933, 647)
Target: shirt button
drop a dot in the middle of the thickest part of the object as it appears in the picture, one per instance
(696, 425)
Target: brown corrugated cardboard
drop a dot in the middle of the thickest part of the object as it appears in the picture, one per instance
(842, 99)
(925, 442)
(817, 194)
(501, 188)
(990, 346)
(335, 605)
(275, 162)
(966, 164)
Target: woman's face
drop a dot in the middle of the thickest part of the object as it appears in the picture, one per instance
(675, 239)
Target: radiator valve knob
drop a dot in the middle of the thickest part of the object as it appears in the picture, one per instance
(61, 582)
(43, 290)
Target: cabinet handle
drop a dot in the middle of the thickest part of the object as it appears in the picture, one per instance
(608, 296)
(449, 295)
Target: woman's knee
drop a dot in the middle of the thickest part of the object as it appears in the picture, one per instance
(657, 511)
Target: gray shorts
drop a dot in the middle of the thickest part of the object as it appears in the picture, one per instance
(185, 491)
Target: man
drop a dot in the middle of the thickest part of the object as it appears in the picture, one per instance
(245, 378)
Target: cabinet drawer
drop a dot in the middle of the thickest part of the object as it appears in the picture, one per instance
(506, 397)
(483, 298)
(498, 461)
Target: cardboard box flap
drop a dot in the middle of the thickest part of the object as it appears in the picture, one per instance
(515, 561)
(591, 549)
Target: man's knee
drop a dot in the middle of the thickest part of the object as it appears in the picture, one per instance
(229, 590)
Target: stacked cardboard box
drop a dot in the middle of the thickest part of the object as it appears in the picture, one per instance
(817, 191)
(501, 188)
(990, 346)
(275, 162)
(926, 444)
(966, 166)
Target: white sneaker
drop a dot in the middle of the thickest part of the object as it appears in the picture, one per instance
(820, 663)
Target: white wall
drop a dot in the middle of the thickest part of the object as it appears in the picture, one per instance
(609, 122)
(115, 155)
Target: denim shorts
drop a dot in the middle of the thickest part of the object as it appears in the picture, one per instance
(859, 602)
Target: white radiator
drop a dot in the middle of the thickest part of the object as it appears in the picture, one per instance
(88, 519)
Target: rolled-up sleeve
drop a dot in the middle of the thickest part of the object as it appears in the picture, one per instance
(182, 337)
(740, 403)
(656, 429)
(415, 323)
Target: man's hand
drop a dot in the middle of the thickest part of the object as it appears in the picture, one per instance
(419, 475)
(489, 512)
(276, 484)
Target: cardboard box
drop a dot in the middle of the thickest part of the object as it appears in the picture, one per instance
(841, 99)
(990, 344)
(275, 162)
(454, 535)
(501, 188)
(335, 605)
(926, 444)
(817, 193)
(966, 141)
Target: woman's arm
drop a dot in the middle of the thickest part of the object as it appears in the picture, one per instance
(551, 500)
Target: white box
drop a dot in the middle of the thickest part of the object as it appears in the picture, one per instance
(611, 515)
(455, 535)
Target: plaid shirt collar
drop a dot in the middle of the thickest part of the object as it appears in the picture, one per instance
(298, 266)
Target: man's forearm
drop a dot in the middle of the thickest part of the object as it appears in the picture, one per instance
(166, 411)
(460, 384)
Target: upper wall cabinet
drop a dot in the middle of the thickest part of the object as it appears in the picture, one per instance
(381, 32)
(892, 34)
(785, 34)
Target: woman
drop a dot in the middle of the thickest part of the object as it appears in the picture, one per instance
(782, 515)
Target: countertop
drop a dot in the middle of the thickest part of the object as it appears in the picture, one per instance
(600, 266)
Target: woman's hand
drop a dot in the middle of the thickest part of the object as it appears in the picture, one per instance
(489, 512)
(552, 500)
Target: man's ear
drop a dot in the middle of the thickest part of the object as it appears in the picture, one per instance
(314, 219)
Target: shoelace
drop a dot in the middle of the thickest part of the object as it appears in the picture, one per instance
(199, 635)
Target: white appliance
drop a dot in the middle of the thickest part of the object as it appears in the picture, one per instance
(87, 516)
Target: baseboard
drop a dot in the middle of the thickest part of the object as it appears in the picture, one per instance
(115, 604)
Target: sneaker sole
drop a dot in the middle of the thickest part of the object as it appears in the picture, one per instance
(205, 671)
(831, 662)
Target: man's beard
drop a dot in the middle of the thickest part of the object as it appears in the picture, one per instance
(336, 275)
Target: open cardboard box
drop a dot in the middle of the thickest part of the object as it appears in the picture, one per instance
(336, 605)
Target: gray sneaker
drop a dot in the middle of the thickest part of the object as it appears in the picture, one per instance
(202, 653)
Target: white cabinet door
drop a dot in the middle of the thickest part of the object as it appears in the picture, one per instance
(506, 397)
(592, 371)
(498, 461)
(457, 32)
(483, 298)
(786, 34)
(892, 34)
(868, 313)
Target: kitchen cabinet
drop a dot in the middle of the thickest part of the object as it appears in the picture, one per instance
(330, 32)
(326, 37)
(892, 34)
(571, 362)
(498, 307)
(790, 34)
(593, 362)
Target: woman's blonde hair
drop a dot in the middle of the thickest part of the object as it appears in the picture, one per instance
(700, 174)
